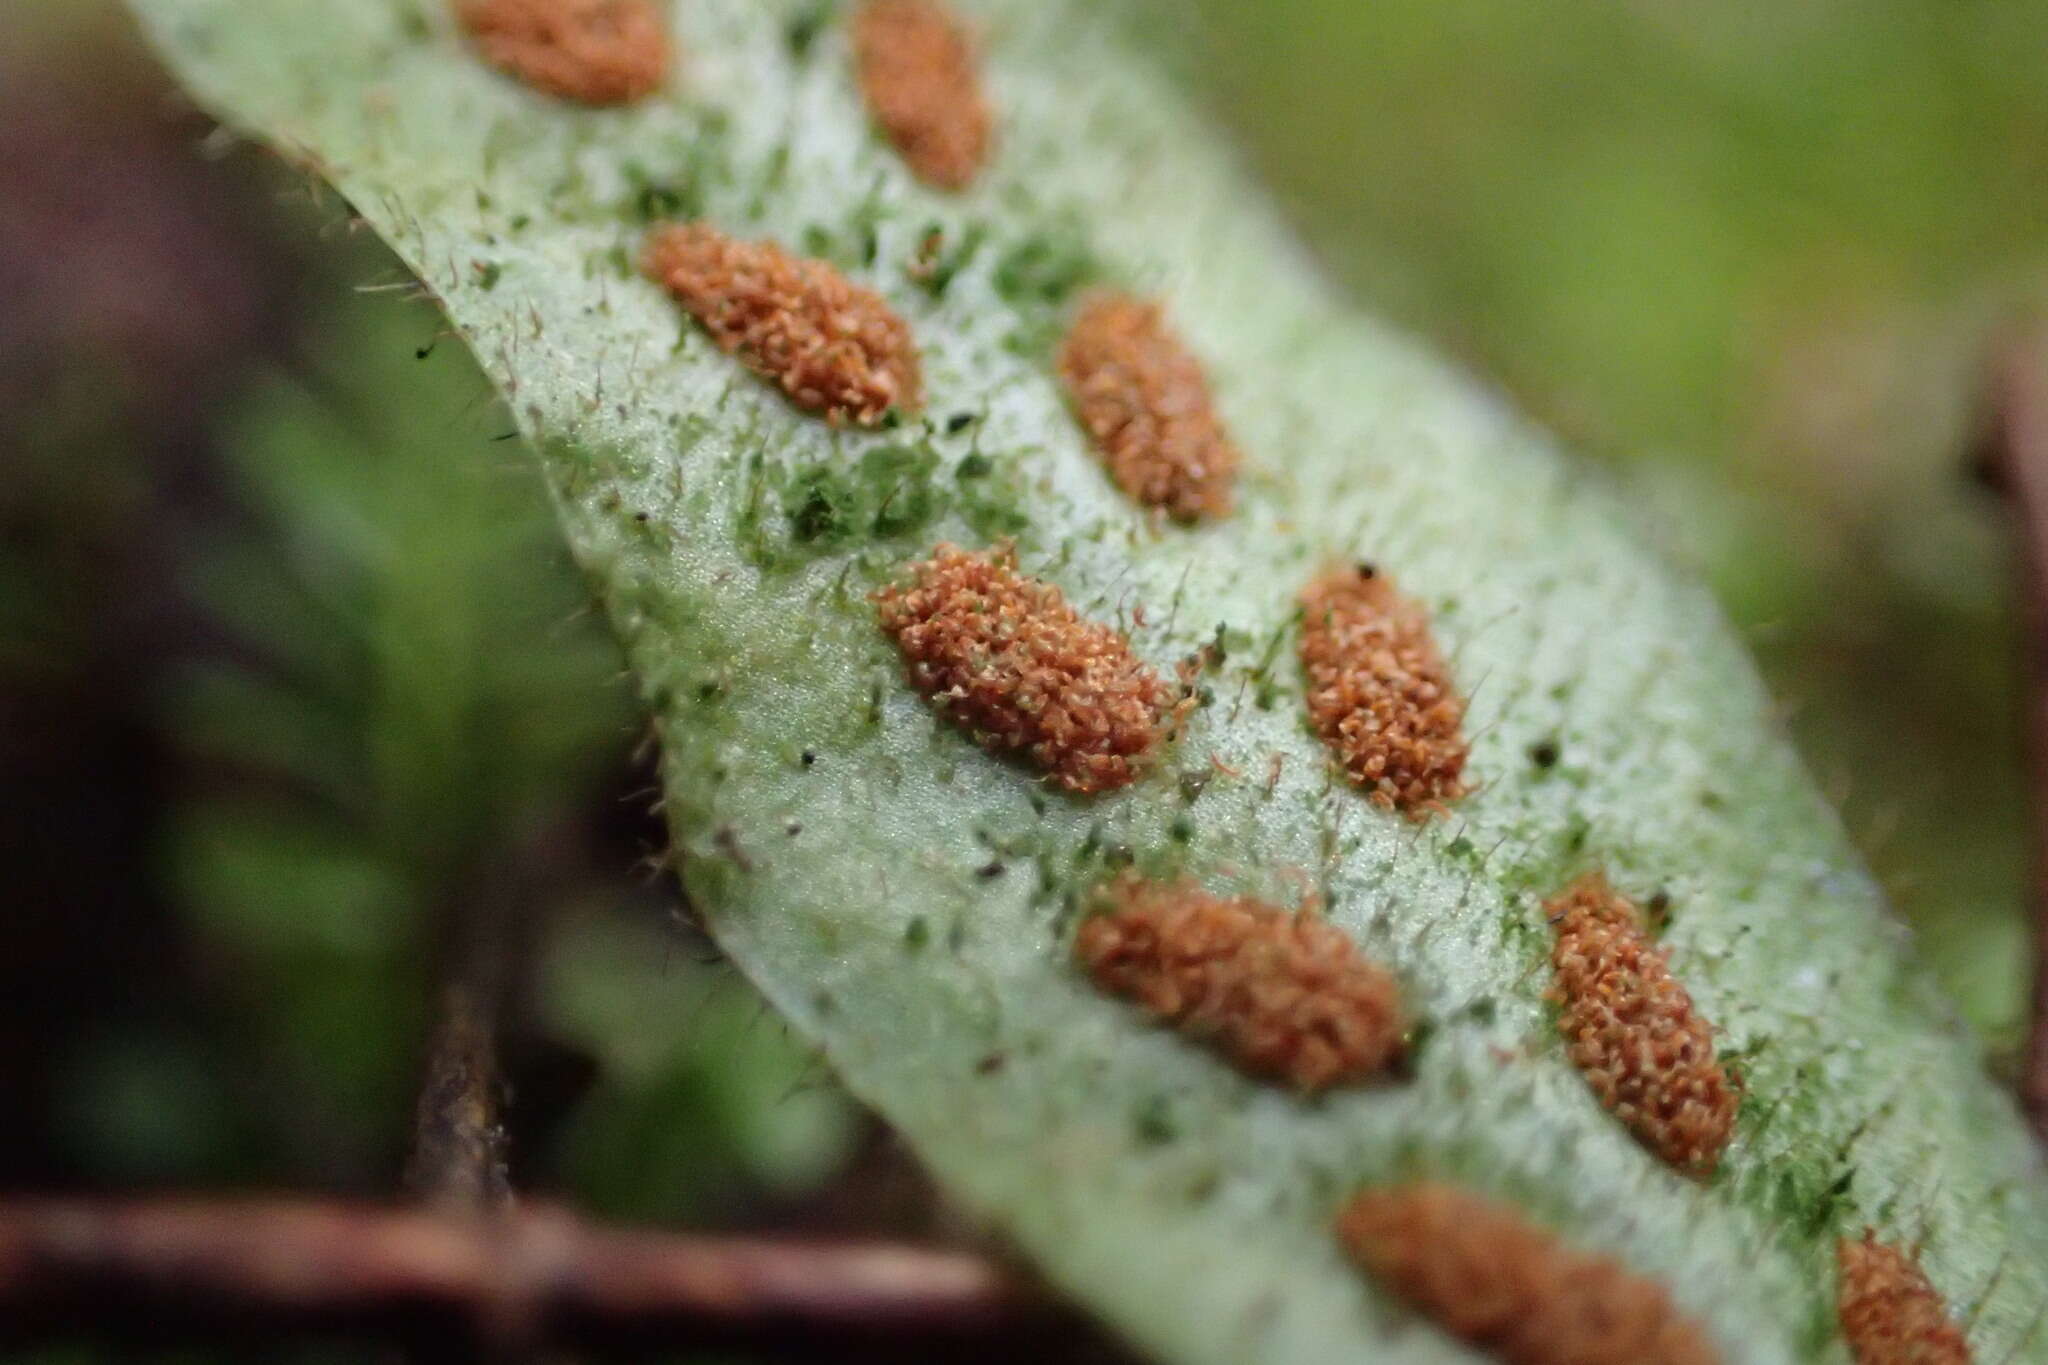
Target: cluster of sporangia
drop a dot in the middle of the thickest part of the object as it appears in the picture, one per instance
(1285, 995)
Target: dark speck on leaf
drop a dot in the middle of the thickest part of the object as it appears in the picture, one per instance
(807, 24)
(1154, 1122)
(1420, 1034)
(1544, 753)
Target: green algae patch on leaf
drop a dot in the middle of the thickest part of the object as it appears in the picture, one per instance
(1188, 1205)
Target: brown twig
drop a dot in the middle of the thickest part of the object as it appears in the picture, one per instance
(490, 935)
(2015, 458)
(458, 1153)
(535, 1276)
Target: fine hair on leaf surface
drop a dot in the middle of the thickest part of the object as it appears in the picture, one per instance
(737, 541)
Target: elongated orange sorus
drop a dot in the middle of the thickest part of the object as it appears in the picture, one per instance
(1009, 658)
(1632, 1030)
(922, 86)
(1144, 401)
(834, 347)
(1490, 1277)
(1891, 1313)
(592, 51)
(1379, 692)
(1285, 995)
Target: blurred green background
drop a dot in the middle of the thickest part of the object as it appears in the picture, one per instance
(291, 661)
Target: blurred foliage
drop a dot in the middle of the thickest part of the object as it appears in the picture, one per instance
(397, 702)
(416, 705)
(1750, 255)
(704, 1098)
(1680, 225)
(322, 614)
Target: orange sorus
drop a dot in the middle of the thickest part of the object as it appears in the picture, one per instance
(1145, 403)
(833, 346)
(594, 51)
(1890, 1312)
(1284, 994)
(1488, 1276)
(1379, 692)
(1009, 658)
(917, 72)
(1632, 1029)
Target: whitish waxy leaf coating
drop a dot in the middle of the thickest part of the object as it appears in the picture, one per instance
(906, 899)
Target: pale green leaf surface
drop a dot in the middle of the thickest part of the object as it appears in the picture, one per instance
(860, 890)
